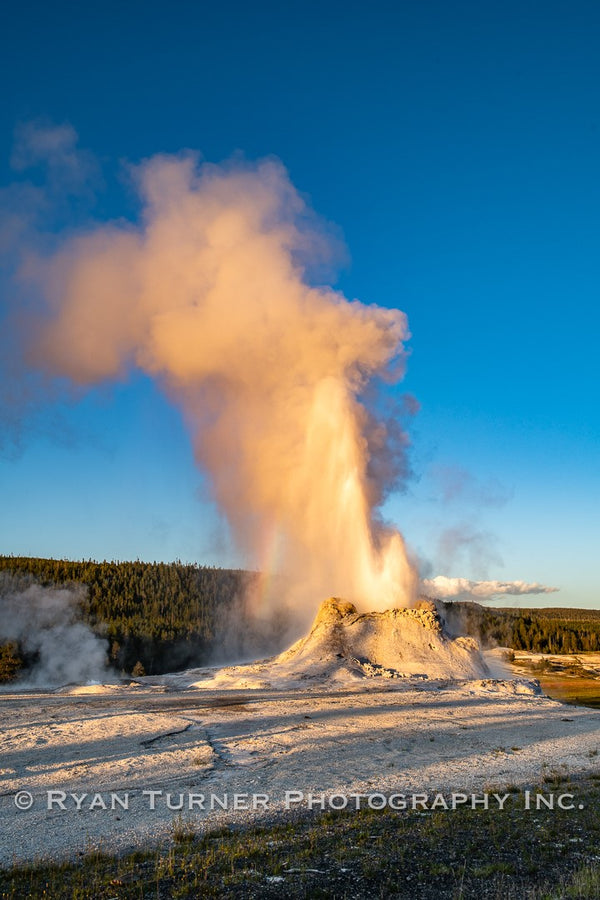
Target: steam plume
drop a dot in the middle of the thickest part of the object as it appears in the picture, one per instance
(211, 295)
(46, 623)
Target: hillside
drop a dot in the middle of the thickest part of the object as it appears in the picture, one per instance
(163, 617)
(546, 630)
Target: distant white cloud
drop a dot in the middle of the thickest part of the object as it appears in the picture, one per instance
(443, 587)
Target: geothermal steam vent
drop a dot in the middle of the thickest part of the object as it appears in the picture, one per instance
(394, 643)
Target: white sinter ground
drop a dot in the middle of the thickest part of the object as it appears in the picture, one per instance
(365, 704)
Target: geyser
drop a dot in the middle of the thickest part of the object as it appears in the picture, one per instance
(394, 643)
(345, 647)
(211, 294)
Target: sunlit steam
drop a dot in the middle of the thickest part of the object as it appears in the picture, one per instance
(46, 622)
(211, 295)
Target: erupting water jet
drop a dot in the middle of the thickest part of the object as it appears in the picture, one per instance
(211, 295)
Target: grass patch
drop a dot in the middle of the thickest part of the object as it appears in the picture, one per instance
(514, 853)
(569, 683)
(579, 691)
(184, 831)
(583, 884)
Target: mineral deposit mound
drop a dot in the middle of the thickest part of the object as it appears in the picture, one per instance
(396, 643)
(344, 646)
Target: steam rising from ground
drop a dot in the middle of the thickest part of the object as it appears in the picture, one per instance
(45, 623)
(211, 295)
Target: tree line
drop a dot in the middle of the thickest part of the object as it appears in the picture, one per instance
(160, 617)
(156, 616)
(549, 630)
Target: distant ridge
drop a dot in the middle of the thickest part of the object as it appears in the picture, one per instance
(169, 616)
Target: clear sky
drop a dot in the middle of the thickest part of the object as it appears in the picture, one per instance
(456, 147)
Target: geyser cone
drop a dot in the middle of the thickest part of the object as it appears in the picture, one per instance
(394, 643)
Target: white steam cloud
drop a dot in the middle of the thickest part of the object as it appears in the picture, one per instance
(45, 622)
(211, 295)
(442, 588)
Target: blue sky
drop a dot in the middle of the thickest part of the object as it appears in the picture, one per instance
(456, 147)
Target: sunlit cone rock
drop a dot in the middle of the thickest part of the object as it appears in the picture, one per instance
(395, 643)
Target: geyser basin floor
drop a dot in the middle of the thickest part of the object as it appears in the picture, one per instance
(399, 736)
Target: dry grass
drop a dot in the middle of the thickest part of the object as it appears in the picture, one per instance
(581, 691)
(499, 855)
(565, 680)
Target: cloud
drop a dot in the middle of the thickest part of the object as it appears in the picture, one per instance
(54, 188)
(58, 184)
(442, 587)
(456, 484)
(46, 622)
(213, 293)
(40, 142)
(463, 542)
